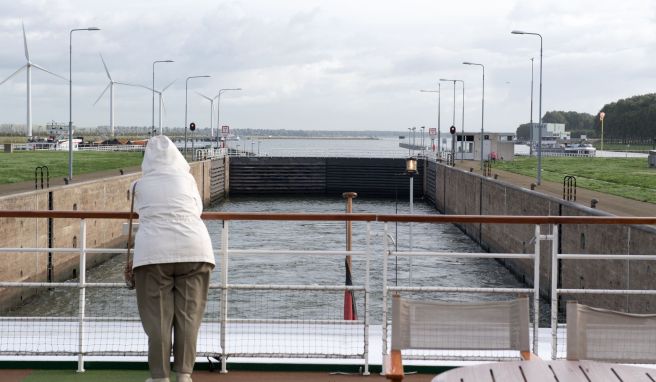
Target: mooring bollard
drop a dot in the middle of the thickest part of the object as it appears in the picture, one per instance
(532, 186)
(593, 203)
(496, 176)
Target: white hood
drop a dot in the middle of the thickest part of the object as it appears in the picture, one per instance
(163, 156)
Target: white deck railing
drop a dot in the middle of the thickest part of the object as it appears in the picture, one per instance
(225, 333)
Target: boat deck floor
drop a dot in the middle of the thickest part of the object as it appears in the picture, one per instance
(27, 375)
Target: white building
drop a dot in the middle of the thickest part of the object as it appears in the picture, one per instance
(495, 145)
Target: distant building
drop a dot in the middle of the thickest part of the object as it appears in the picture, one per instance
(551, 134)
(495, 146)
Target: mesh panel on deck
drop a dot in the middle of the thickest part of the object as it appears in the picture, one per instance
(464, 326)
(606, 335)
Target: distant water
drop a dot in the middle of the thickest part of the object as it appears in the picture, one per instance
(266, 269)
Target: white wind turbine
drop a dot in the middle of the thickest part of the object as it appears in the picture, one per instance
(28, 66)
(110, 86)
(211, 100)
(161, 103)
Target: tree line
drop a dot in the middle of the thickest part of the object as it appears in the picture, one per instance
(631, 118)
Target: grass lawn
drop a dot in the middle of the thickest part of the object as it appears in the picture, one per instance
(19, 165)
(627, 177)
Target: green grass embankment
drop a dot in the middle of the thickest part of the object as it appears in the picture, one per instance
(19, 166)
(626, 177)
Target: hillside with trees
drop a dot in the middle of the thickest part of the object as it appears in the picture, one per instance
(626, 120)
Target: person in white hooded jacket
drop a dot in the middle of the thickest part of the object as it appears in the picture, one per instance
(173, 259)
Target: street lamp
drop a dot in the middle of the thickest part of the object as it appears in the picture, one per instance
(439, 95)
(185, 122)
(153, 110)
(539, 175)
(70, 98)
(462, 128)
(218, 111)
(411, 170)
(482, 107)
(530, 148)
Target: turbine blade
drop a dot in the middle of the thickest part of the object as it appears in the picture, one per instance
(167, 86)
(204, 96)
(27, 52)
(13, 74)
(49, 72)
(105, 65)
(133, 85)
(103, 93)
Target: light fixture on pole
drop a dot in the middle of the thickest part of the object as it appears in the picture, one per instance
(411, 170)
(211, 100)
(218, 111)
(602, 115)
(185, 122)
(439, 95)
(70, 98)
(538, 179)
(462, 128)
(482, 108)
(152, 127)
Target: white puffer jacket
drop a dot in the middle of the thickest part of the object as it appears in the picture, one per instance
(169, 208)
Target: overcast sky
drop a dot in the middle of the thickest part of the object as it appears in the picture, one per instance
(329, 65)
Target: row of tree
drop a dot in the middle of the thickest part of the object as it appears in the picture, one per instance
(626, 119)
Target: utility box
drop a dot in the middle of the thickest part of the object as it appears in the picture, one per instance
(9, 147)
(652, 158)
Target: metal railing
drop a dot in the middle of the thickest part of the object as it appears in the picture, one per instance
(223, 324)
(534, 291)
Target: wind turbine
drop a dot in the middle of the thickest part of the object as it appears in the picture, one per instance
(211, 111)
(161, 103)
(28, 66)
(110, 86)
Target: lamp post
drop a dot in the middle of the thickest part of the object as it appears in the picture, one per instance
(218, 111)
(538, 178)
(482, 108)
(462, 128)
(530, 149)
(602, 115)
(439, 95)
(411, 170)
(70, 98)
(423, 146)
(153, 110)
(185, 122)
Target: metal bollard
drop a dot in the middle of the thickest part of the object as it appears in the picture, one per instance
(593, 203)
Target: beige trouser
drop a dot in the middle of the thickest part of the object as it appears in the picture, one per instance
(172, 295)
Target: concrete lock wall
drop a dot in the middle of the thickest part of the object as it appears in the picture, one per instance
(107, 194)
(464, 193)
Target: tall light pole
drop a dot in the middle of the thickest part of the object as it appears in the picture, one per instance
(211, 100)
(439, 95)
(70, 98)
(153, 112)
(538, 178)
(482, 108)
(462, 128)
(530, 149)
(218, 111)
(185, 122)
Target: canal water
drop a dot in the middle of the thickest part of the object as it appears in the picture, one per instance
(267, 269)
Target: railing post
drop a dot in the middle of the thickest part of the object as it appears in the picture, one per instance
(536, 290)
(224, 295)
(82, 301)
(366, 302)
(554, 292)
(384, 323)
